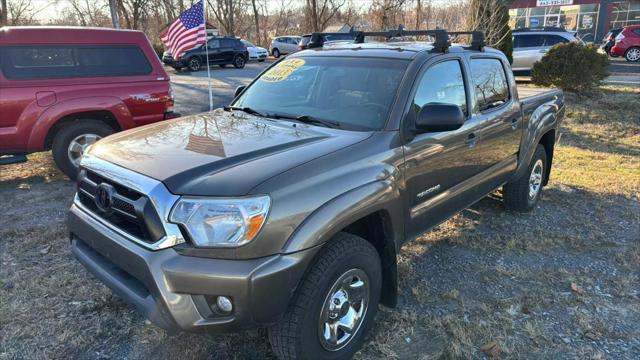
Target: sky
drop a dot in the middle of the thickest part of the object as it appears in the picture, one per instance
(52, 8)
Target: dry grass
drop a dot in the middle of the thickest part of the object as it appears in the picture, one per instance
(488, 282)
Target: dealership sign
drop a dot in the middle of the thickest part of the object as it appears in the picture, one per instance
(553, 2)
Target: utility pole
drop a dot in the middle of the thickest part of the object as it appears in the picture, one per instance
(4, 13)
(114, 14)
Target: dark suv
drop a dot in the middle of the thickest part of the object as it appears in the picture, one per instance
(223, 51)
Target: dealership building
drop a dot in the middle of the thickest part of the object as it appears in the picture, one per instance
(590, 19)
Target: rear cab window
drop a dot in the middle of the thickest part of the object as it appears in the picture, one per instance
(64, 61)
(490, 83)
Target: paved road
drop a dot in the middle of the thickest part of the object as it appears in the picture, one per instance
(624, 73)
(191, 90)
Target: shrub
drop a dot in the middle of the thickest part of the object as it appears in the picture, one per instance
(571, 67)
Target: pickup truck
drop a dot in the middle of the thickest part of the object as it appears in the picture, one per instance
(287, 208)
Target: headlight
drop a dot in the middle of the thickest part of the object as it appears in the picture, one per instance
(221, 222)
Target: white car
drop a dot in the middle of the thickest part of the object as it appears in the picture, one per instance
(283, 45)
(255, 52)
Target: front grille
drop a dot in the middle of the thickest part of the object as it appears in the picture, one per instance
(129, 210)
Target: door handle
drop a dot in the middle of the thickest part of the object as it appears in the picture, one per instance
(472, 140)
(514, 123)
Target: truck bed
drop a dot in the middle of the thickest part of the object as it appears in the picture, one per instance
(533, 97)
(527, 92)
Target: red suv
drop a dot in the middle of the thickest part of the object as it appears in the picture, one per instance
(628, 43)
(63, 88)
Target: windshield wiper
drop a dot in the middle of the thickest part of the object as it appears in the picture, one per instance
(309, 120)
(248, 110)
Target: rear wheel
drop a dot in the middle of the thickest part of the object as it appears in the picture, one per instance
(72, 140)
(195, 64)
(524, 193)
(335, 304)
(632, 54)
(275, 53)
(223, 65)
(239, 61)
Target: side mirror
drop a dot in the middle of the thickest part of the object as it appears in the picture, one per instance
(239, 89)
(439, 117)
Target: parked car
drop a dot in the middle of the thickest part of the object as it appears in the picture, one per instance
(287, 208)
(628, 43)
(304, 40)
(283, 45)
(222, 51)
(609, 40)
(255, 52)
(63, 88)
(530, 45)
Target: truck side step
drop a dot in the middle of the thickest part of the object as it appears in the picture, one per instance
(12, 159)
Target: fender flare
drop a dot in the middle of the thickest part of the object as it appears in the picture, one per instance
(345, 209)
(543, 119)
(51, 116)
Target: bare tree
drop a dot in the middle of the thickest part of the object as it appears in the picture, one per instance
(319, 13)
(134, 12)
(492, 17)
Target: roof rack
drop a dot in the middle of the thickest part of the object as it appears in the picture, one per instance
(544, 28)
(441, 37)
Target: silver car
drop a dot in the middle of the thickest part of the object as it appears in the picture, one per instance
(530, 46)
(283, 45)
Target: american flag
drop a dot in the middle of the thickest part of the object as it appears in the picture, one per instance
(186, 32)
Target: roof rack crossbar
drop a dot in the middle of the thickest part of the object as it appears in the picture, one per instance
(441, 37)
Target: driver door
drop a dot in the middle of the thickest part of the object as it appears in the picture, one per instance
(439, 164)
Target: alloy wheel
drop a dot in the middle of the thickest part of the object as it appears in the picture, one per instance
(344, 309)
(79, 145)
(535, 179)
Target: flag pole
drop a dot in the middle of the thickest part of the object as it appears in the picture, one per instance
(206, 50)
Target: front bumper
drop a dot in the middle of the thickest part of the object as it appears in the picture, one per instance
(174, 291)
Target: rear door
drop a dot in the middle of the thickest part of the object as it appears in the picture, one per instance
(227, 49)
(438, 165)
(527, 49)
(215, 52)
(499, 113)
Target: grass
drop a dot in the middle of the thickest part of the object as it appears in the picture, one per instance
(487, 283)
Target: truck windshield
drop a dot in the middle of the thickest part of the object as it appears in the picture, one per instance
(354, 93)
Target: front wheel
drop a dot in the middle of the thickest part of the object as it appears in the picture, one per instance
(195, 64)
(71, 142)
(335, 304)
(632, 54)
(239, 61)
(524, 193)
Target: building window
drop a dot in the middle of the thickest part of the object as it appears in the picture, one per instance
(580, 18)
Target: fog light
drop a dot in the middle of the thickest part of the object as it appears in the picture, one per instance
(224, 304)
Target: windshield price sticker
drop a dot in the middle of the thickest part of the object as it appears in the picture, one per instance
(282, 71)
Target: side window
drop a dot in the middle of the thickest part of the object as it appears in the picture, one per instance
(637, 31)
(528, 41)
(490, 83)
(214, 43)
(550, 40)
(50, 62)
(436, 88)
(228, 43)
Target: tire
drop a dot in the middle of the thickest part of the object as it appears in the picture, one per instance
(194, 64)
(632, 54)
(276, 53)
(260, 60)
(239, 62)
(223, 65)
(298, 334)
(522, 194)
(66, 159)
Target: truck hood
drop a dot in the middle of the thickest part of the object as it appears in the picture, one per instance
(220, 153)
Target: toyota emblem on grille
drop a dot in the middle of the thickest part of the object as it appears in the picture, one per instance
(104, 197)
